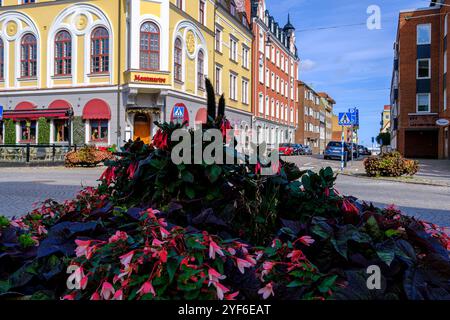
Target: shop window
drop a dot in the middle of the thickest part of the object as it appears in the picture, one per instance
(63, 53)
(149, 58)
(27, 131)
(99, 130)
(28, 56)
(100, 50)
(61, 131)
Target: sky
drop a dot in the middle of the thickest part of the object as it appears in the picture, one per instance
(351, 63)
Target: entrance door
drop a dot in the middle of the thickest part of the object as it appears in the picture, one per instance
(422, 144)
(142, 127)
(446, 146)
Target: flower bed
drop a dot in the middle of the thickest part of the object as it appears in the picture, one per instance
(390, 164)
(88, 156)
(156, 230)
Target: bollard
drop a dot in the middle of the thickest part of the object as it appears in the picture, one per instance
(28, 152)
(53, 152)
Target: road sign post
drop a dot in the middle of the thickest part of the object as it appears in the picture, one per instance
(342, 150)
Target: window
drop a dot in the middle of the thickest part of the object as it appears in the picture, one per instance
(278, 58)
(245, 91)
(281, 112)
(267, 106)
(28, 131)
(180, 4)
(445, 62)
(218, 40)
(267, 78)
(2, 60)
(63, 53)
(446, 25)
(278, 84)
(273, 55)
(272, 109)
(28, 59)
(423, 102)
(282, 87)
(424, 34)
(201, 14)
(201, 70)
(261, 70)
(278, 110)
(233, 50)
(261, 42)
(423, 68)
(245, 52)
(232, 8)
(61, 132)
(218, 80)
(233, 85)
(149, 46)
(100, 50)
(99, 130)
(445, 99)
(273, 81)
(178, 60)
(261, 103)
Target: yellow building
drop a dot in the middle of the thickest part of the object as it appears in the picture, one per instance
(386, 119)
(233, 75)
(119, 65)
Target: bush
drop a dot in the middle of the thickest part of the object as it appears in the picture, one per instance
(88, 156)
(10, 132)
(390, 165)
(44, 131)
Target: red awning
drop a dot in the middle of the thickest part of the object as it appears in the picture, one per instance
(96, 109)
(34, 114)
(25, 105)
(60, 104)
(201, 117)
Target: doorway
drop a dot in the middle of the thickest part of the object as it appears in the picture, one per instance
(446, 146)
(142, 127)
(422, 144)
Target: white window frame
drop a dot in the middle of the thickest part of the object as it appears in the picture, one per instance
(445, 99)
(417, 102)
(233, 87)
(417, 33)
(429, 68)
(233, 49)
(245, 83)
(261, 103)
(219, 32)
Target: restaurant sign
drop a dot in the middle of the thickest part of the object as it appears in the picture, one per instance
(422, 121)
(149, 79)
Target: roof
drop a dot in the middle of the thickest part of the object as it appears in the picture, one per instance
(327, 96)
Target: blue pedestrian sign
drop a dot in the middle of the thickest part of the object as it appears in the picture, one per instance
(345, 119)
(1, 112)
(178, 112)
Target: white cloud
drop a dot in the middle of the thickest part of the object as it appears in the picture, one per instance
(307, 65)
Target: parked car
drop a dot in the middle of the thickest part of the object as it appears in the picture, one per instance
(308, 150)
(334, 150)
(363, 151)
(299, 149)
(286, 149)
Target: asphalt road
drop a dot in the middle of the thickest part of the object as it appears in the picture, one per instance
(21, 188)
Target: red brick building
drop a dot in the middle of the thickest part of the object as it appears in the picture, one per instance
(275, 74)
(308, 131)
(420, 84)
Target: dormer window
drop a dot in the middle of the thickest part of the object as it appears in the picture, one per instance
(232, 8)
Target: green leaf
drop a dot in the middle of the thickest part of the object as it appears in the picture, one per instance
(172, 266)
(190, 192)
(213, 173)
(327, 284)
(306, 182)
(296, 283)
(386, 251)
(187, 176)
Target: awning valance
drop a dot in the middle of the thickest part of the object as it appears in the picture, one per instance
(25, 105)
(34, 114)
(97, 109)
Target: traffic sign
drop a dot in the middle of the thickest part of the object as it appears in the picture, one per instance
(178, 112)
(355, 116)
(1, 112)
(345, 119)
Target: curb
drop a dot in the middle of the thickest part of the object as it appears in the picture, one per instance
(417, 182)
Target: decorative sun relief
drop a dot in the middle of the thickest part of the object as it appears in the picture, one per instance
(190, 42)
(81, 22)
(11, 28)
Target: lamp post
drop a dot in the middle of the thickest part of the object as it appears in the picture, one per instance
(69, 114)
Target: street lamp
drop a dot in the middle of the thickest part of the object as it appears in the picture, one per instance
(69, 114)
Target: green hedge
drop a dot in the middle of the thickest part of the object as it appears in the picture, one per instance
(43, 131)
(10, 132)
(78, 131)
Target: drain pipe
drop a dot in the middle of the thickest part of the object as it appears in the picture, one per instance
(119, 68)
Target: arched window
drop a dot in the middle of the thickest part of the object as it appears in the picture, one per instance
(2, 60)
(28, 57)
(201, 70)
(149, 46)
(63, 53)
(178, 60)
(100, 50)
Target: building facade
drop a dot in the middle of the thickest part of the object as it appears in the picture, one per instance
(308, 131)
(275, 72)
(326, 120)
(119, 65)
(419, 94)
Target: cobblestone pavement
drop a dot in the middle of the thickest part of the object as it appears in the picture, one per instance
(21, 188)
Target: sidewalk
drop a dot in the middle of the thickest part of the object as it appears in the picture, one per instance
(431, 172)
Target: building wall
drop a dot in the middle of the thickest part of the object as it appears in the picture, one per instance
(409, 124)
